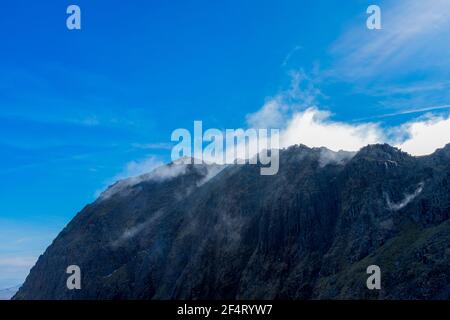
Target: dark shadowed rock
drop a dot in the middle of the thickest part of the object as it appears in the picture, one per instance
(208, 232)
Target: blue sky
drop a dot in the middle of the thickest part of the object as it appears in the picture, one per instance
(79, 109)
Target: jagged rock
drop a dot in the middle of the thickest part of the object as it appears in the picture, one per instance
(308, 232)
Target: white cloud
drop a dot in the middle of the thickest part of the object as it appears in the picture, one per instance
(271, 115)
(426, 135)
(137, 168)
(302, 93)
(406, 200)
(314, 128)
(135, 172)
(166, 172)
(294, 113)
(130, 175)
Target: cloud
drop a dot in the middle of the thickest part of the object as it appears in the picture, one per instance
(340, 157)
(426, 135)
(408, 27)
(300, 121)
(135, 172)
(314, 128)
(161, 145)
(166, 172)
(410, 89)
(271, 115)
(295, 113)
(137, 168)
(290, 54)
(302, 124)
(406, 200)
(129, 176)
(408, 111)
(277, 110)
(130, 233)
(212, 170)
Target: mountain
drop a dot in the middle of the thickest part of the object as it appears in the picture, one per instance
(8, 293)
(309, 232)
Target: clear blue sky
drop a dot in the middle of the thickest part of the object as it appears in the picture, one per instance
(77, 106)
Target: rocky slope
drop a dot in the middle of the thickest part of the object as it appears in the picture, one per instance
(309, 232)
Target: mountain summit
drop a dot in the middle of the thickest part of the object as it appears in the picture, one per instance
(309, 232)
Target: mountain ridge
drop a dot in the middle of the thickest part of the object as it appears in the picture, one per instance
(308, 232)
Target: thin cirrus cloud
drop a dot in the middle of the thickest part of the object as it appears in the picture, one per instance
(405, 112)
(408, 28)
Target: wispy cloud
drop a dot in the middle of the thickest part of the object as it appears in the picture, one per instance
(153, 146)
(408, 29)
(302, 93)
(410, 88)
(137, 168)
(404, 112)
(406, 200)
(290, 54)
(132, 169)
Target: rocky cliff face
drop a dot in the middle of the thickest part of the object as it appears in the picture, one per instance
(309, 232)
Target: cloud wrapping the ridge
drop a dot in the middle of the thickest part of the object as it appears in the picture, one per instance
(315, 128)
(150, 169)
(425, 136)
(137, 168)
(132, 170)
(300, 121)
